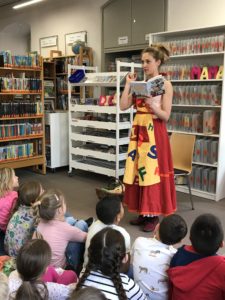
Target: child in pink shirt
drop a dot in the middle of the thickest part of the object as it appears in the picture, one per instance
(58, 233)
(8, 198)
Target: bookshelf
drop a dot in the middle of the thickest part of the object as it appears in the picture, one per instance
(195, 69)
(49, 85)
(22, 138)
(98, 129)
(85, 57)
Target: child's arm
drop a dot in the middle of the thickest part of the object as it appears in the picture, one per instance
(74, 234)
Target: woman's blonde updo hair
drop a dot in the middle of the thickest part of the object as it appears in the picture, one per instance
(158, 51)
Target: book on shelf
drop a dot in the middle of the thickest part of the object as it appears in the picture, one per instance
(49, 88)
(153, 87)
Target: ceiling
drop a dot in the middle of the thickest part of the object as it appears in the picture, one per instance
(8, 2)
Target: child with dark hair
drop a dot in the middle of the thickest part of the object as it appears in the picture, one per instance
(26, 282)
(88, 293)
(66, 241)
(109, 212)
(196, 271)
(107, 254)
(24, 220)
(151, 256)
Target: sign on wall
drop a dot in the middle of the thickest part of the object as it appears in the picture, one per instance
(47, 44)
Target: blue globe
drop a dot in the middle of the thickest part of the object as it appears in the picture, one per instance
(76, 46)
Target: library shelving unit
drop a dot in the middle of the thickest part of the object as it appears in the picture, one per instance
(195, 69)
(49, 85)
(22, 139)
(85, 57)
(99, 134)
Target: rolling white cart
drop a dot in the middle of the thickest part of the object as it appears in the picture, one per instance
(99, 135)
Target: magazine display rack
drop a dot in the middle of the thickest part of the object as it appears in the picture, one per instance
(22, 139)
(195, 69)
(98, 129)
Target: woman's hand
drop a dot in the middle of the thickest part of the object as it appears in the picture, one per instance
(126, 98)
(131, 77)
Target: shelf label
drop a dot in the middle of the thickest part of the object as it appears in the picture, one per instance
(122, 40)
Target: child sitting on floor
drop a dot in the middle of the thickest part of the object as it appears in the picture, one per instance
(110, 212)
(26, 282)
(151, 256)
(196, 271)
(8, 197)
(24, 220)
(106, 256)
(58, 233)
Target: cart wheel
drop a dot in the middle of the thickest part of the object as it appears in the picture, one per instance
(70, 173)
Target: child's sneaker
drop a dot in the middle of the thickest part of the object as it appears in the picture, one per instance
(90, 221)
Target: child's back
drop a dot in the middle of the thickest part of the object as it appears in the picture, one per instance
(151, 257)
(197, 272)
(109, 211)
(23, 222)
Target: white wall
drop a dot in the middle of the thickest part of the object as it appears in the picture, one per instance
(187, 14)
(57, 17)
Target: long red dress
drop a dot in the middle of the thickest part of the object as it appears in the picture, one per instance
(149, 176)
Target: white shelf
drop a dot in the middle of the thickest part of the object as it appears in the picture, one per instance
(196, 192)
(201, 59)
(79, 127)
(98, 154)
(196, 133)
(196, 106)
(204, 164)
(191, 55)
(97, 109)
(100, 124)
(195, 80)
(95, 169)
(98, 139)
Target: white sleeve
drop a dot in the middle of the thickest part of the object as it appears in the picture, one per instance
(59, 291)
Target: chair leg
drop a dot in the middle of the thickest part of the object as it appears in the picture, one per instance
(190, 194)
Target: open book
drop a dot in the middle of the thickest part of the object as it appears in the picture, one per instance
(152, 87)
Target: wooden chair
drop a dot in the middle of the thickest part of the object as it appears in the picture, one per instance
(182, 148)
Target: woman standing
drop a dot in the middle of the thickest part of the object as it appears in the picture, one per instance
(149, 178)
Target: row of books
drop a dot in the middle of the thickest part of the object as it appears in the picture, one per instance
(206, 151)
(16, 151)
(206, 122)
(199, 94)
(187, 71)
(20, 129)
(32, 60)
(62, 84)
(204, 179)
(20, 84)
(62, 102)
(214, 43)
(20, 109)
(49, 89)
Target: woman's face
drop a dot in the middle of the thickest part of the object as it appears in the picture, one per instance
(150, 65)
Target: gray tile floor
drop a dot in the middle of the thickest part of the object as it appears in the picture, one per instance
(81, 199)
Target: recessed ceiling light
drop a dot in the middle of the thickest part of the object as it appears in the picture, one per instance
(26, 4)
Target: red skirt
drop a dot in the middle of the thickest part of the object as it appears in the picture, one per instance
(160, 198)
